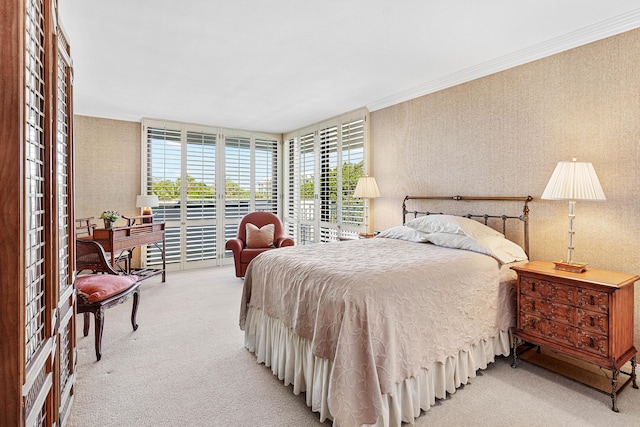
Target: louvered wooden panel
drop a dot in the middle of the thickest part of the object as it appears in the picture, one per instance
(64, 254)
(37, 390)
(36, 284)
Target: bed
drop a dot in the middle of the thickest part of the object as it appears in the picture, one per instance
(373, 331)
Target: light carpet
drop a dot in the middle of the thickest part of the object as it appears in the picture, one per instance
(186, 366)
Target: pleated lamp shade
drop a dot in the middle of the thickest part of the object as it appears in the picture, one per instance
(573, 180)
(367, 188)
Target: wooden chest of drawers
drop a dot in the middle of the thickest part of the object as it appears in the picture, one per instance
(587, 315)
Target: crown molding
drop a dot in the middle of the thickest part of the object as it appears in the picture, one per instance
(591, 33)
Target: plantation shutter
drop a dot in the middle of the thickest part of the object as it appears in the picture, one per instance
(163, 178)
(35, 185)
(322, 167)
(291, 187)
(352, 149)
(329, 213)
(237, 176)
(201, 196)
(266, 175)
(65, 243)
(306, 180)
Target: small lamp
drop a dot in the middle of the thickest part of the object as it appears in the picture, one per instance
(573, 180)
(367, 188)
(146, 202)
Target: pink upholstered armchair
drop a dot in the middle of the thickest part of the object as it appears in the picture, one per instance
(244, 250)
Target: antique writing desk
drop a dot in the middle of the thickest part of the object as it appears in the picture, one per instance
(121, 241)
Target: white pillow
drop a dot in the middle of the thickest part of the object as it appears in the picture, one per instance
(502, 249)
(404, 233)
(458, 241)
(453, 225)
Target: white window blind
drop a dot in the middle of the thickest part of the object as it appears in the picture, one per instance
(237, 176)
(266, 175)
(163, 178)
(201, 196)
(206, 179)
(321, 172)
(306, 199)
(329, 178)
(352, 146)
(292, 187)
(307, 177)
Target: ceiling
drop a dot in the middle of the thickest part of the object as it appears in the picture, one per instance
(279, 65)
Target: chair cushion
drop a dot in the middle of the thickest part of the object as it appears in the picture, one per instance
(248, 254)
(260, 237)
(98, 287)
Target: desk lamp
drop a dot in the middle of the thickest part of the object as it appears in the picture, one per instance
(146, 202)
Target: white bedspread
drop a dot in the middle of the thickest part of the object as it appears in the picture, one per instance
(380, 309)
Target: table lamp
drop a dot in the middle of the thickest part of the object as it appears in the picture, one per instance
(146, 202)
(367, 188)
(572, 181)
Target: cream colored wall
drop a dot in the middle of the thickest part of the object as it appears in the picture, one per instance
(107, 167)
(503, 135)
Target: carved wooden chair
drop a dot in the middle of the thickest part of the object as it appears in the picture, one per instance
(102, 289)
(85, 226)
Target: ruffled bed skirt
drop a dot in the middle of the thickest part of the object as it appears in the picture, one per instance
(290, 358)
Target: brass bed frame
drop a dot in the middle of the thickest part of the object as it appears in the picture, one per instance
(524, 217)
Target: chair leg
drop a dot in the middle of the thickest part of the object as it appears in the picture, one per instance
(99, 315)
(85, 326)
(134, 310)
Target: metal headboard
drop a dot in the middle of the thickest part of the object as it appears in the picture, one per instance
(524, 217)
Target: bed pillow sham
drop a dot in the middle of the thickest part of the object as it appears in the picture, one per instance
(496, 246)
(504, 250)
(404, 233)
(453, 225)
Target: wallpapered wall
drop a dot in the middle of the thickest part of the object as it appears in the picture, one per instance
(107, 169)
(502, 135)
(107, 166)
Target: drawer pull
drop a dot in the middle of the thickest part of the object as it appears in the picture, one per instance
(533, 323)
(591, 300)
(591, 342)
(533, 286)
(533, 305)
(592, 321)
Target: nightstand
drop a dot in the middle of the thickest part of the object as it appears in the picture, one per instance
(586, 316)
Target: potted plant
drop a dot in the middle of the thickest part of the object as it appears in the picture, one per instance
(109, 218)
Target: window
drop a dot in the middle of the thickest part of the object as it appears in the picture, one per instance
(206, 179)
(322, 169)
(201, 236)
(163, 178)
(352, 150)
(266, 174)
